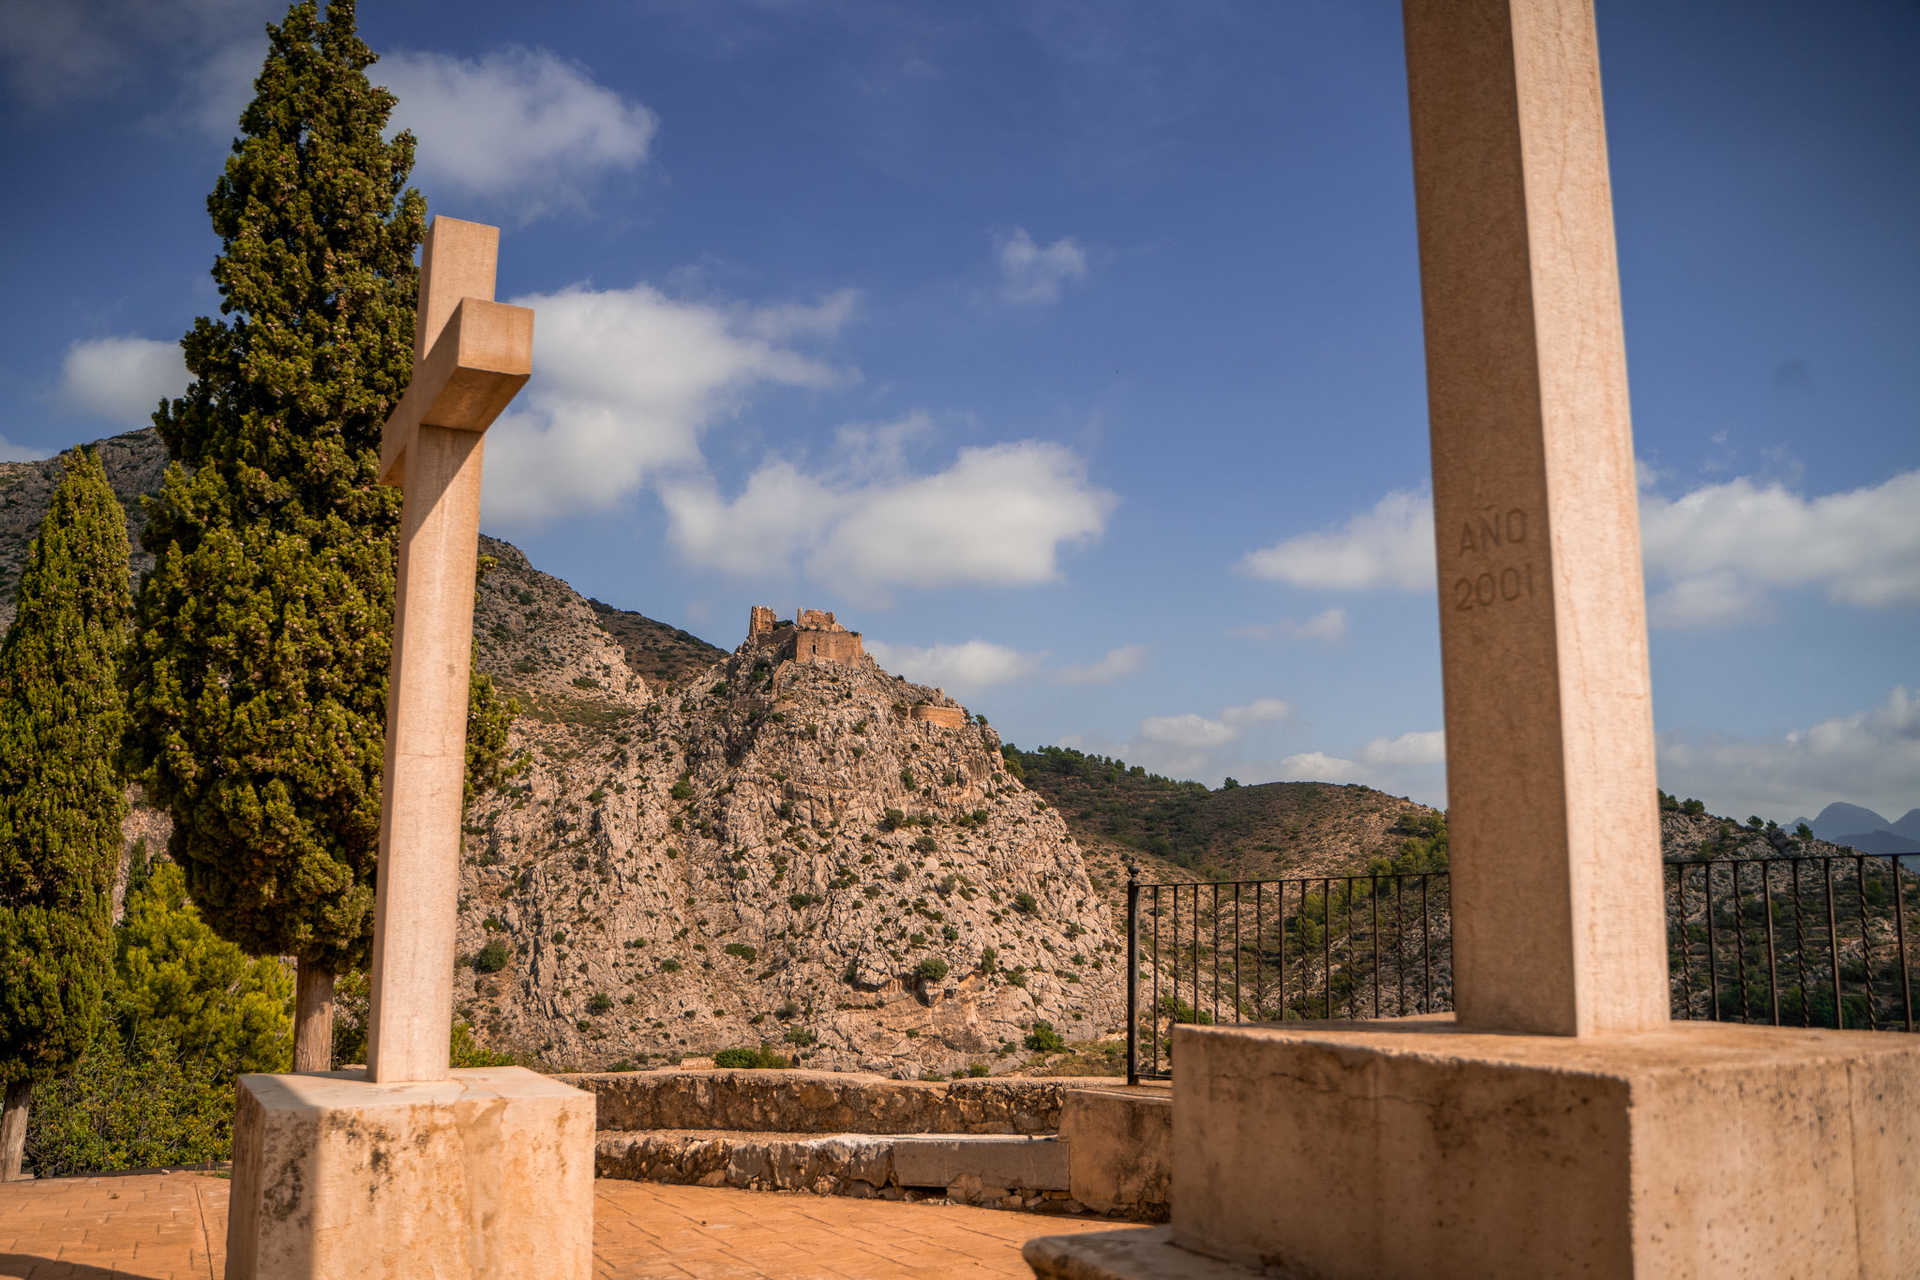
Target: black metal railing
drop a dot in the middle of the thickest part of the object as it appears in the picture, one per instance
(1268, 950)
(1800, 941)
(1793, 941)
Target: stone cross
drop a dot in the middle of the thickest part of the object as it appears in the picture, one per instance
(470, 356)
(1558, 923)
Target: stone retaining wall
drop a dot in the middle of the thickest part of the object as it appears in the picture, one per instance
(827, 1102)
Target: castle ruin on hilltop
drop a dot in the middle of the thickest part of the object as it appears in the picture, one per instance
(814, 637)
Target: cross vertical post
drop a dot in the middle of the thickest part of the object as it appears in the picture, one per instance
(471, 355)
(1557, 899)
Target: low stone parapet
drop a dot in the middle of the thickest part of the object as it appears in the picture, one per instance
(1008, 1171)
(827, 1102)
(1120, 1142)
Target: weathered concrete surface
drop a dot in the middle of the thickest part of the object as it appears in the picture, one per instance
(1120, 1149)
(1412, 1148)
(826, 1102)
(1146, 1253)
(486, 1174)
(1551, 796)
(992, 1160)
(1001, 1170)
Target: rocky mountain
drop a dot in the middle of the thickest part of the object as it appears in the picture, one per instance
(1185, 831)
(707, 850)
(783, 851)
(1863, 829)
(134, 463)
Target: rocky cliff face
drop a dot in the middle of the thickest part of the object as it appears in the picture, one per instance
(778, 853)
(728, 851)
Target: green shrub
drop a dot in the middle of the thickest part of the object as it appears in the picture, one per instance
(683, 789)
(932, 969)
(925, 844)
(741, 950)
(750, 1059)
(979, 1069)
(493, 957)
(1026, 904)
(800, 1036)
(1044, 1039)
(599, 1003)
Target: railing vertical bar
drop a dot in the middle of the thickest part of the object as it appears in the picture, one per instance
(1153, 1014)
(1259, 956)
(1326, 946)
(1800, 948)
(1280, 923)
(1400, 943)
(1426, 949)
(1196, 954)
(1686, 941)
(1866, 945)
(1713, 953)
(1766, 905)
(1900, 940)
(1833, 949)
(1133, 974)
(1740, 938)
(1216, 954)
(1353, 988)
(1373, 896)
(1236, 951)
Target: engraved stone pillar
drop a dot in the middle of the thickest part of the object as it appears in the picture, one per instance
(1551, 794)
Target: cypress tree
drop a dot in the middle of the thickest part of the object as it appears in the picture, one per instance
(260, 677)
(61, 797)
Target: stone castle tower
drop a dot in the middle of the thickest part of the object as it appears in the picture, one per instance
(813, 636)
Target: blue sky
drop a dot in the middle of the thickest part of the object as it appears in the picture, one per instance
(1071, 351)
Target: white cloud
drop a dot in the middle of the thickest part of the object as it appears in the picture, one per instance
(1412, 764)
(1329, 626)
(11, 452)
(1713, 555)
(1715, 599)
(1188, 730)
(1259, 711)
(516, 122)
(1389, 546)
(1033, 274)
(1318, 766)
(996, 516)
(1722, 547)
(1427, 747)
(1115, 664)
(1869, 757)
(1190, 735)
(121, 379)
(625, 382)
(976, 664)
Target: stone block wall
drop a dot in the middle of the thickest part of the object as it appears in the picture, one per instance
(834, 647)
(945, 717)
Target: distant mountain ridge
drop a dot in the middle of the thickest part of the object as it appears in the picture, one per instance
(1863, 829)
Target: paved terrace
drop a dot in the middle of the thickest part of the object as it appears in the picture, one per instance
(173, 1226)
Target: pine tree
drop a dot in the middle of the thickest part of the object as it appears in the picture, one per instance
(61, 797)
(260, 677)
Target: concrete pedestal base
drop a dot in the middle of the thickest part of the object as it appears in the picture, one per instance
(485, 1175)
(1410, 1148)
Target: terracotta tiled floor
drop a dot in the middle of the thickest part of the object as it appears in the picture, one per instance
(173, 1226)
